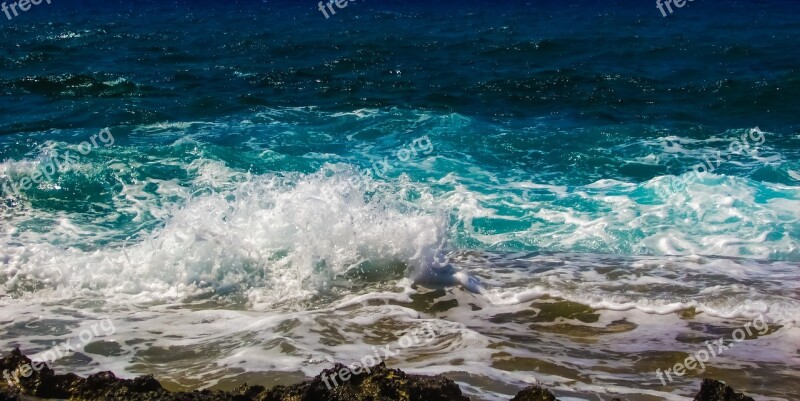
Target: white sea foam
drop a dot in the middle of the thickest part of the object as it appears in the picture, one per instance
(272, 238)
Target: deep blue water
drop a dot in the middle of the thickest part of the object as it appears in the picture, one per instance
(706, 67)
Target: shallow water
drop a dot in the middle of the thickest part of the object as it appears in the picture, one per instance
(582, 324)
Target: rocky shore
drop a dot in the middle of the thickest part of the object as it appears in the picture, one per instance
(381, 383)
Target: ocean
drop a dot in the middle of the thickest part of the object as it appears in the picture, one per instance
(576, 194)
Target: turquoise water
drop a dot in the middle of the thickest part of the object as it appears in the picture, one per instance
(511, 187)
(276, 190)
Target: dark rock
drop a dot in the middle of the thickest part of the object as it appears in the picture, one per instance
(712, 390)
(381, 383)
(6, 396)
(534, 393)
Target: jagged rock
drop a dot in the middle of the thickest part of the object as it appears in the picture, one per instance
(712, 390)
(534, 393)
(381, 383)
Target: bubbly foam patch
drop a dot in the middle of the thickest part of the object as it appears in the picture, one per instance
(718, 287)
(713, 215)
(272, 238)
